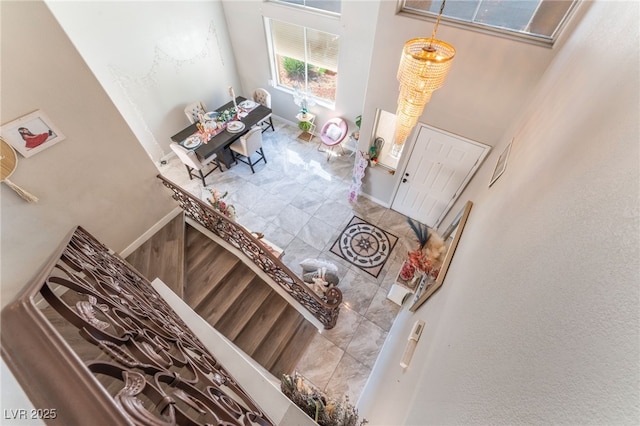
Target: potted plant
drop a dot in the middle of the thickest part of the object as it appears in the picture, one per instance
(356, 135)
(305, 126)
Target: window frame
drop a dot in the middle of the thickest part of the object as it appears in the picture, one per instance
(539, 40)
(276, 84)
(306, 8)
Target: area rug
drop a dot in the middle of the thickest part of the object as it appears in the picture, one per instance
(364, 245)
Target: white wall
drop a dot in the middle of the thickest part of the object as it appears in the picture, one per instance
(538, 319)
(99, 177)
(154, 58)
(491, 78)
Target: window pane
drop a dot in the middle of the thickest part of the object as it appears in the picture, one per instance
(322, 49)
(510, 14)
(291, 72)
(322, 55)
(300, 2)
(457, 9)
(464, 10)
(305, 59)
(327, 5)
(322, 83)
(538, 18)
(545, 21)
(288, 40)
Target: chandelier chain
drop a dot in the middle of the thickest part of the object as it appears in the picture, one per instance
(435, 28)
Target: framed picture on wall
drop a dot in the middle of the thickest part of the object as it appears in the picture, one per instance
(31, 133)
(501, 165)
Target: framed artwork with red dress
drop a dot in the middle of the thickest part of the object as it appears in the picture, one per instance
(31, 133)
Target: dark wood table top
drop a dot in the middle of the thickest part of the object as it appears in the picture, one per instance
(224, 138)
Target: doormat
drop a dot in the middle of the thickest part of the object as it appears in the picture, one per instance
(364, 245)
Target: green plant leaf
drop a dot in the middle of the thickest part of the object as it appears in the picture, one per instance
(304, 126)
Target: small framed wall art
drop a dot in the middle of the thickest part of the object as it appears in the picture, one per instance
(31, 133)
(501, 165)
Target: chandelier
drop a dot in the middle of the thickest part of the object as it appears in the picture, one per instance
(424, 65)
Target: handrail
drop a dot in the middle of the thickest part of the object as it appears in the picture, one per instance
(325, 309)
(90, 339)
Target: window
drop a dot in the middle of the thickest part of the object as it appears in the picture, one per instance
(333, 6)
(304, 59)
(530, 19)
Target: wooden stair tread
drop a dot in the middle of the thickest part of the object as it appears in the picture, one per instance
(227, 294)
(261, 323)
(207, 264)
(289, 357)
(279, 337)
(205, 259)
(238, 314)
(162, 255)
(199, 263)
(214, 274)
(219, 301)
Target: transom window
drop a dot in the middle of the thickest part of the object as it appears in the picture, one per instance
(539, 20)
(304, 59)
(333, 6)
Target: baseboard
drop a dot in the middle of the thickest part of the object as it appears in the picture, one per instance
(285, 120)
(165, 158)
(149, 233)
(375, 200)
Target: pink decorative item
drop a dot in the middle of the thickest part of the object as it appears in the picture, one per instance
(216, 201)
(407, 272)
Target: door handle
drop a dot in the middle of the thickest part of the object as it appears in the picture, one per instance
(404, 180)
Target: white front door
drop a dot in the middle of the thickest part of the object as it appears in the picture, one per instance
(440, 166)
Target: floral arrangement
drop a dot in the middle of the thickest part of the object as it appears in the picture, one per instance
(217, 203)
(228, 115)
(430, 252)
(407, 271)
(322, 409)
(418, 259)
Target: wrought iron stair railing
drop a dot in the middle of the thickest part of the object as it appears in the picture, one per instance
(92, 342)
(325, 308)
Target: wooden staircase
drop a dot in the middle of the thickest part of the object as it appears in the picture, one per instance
(227, 294)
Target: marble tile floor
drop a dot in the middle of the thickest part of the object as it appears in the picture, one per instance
(298, 200)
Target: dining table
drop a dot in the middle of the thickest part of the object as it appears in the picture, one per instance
(219, 143)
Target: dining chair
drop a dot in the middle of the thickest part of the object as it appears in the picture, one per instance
(193, 163)
(248, 144)
(193, 111)
(332, 134)
(263, 97)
